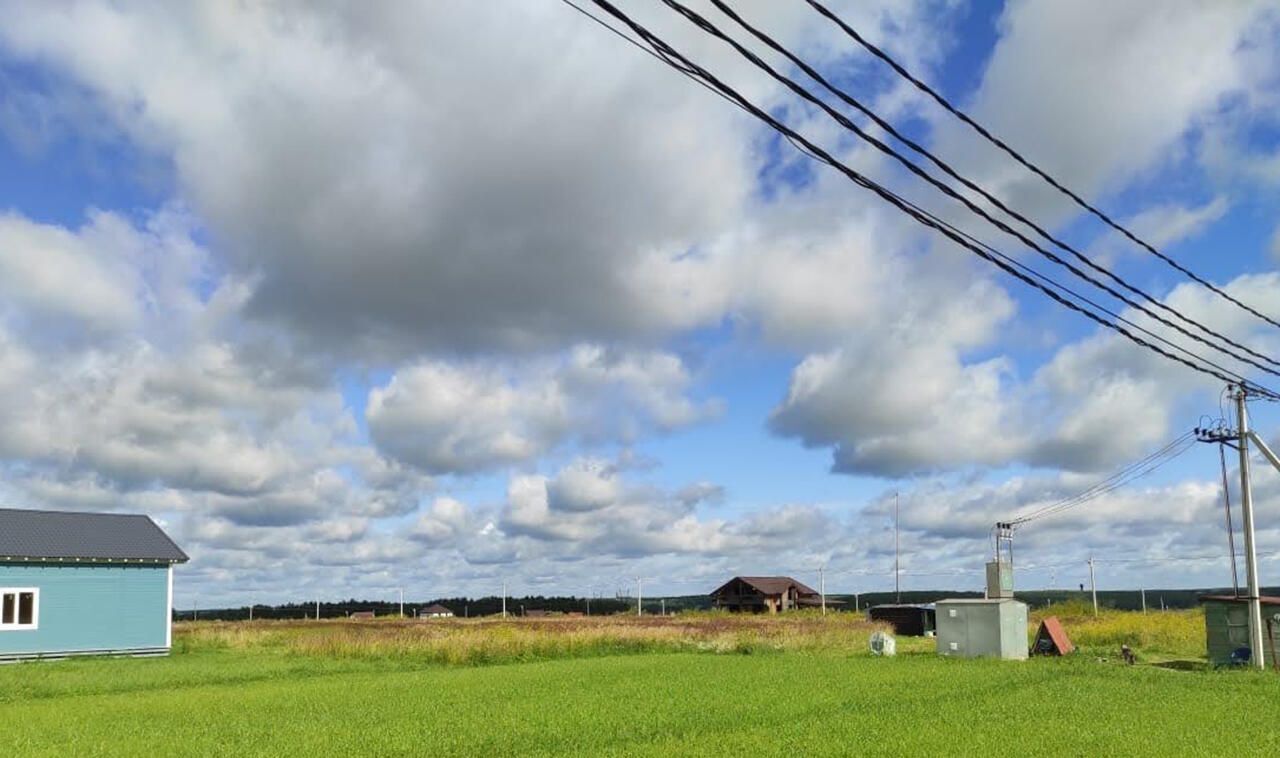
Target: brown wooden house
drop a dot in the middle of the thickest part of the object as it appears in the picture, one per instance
(764, 594)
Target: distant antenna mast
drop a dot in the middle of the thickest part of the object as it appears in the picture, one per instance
(897, 571)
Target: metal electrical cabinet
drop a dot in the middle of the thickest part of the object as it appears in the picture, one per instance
(1226, 622)
(994, 628)
(999, 579)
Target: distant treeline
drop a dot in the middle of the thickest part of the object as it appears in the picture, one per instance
(516, 606)
(461, 607)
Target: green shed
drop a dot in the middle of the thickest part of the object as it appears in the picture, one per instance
(1226, 624)
(84, 583)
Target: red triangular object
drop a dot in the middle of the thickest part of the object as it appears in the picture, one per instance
(1052, 639)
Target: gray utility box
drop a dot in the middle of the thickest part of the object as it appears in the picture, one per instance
(994, 628)
(999, 579)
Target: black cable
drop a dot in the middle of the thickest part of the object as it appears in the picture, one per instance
(1070, 291)
(926, 89)
(1012, 261)
(1124, 476)
(688, 75)
(949, 171)
(601, 22)
(674, 58)
(1078, 296)
(710, 28)
(1117, 481)
(1231, 530)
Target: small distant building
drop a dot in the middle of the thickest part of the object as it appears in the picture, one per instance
(764, 594)
(362, 615)
(907, 619)
(1226, 623)
(435, 611)
(536, 613)
(83, 584)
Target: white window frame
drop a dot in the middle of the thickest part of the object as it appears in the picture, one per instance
(35, 611)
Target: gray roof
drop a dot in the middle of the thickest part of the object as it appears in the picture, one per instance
(60, 535)
(1265, 600)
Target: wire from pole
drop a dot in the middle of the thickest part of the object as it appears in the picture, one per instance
(1231, 536)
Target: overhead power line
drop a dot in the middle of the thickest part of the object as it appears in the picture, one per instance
(640, 46)
(710, 28)
(1089, 301)
(947, 105)
(1115, 481)
(848, 99)
(674, 58)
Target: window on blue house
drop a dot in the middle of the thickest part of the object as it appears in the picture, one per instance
(19, 608)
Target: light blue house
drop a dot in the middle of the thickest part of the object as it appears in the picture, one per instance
(84, 583)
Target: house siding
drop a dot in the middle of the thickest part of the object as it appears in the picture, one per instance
(84, 608)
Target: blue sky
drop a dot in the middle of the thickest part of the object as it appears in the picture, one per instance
(287, 280)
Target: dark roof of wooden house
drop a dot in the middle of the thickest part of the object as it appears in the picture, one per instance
(434, 608)
(69, 536)
(768, 585)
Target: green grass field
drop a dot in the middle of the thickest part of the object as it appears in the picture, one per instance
(798, 690)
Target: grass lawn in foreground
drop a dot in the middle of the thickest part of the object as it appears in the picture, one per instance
(794, 703)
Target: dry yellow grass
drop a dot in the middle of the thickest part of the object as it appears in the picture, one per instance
(477, 641)
(1154, 635)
